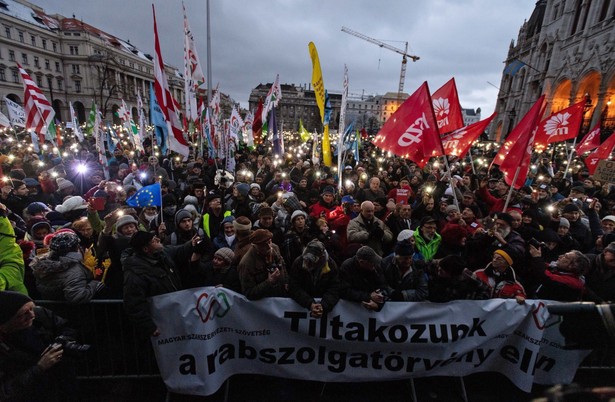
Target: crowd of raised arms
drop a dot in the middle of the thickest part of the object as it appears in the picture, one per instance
(377, 231)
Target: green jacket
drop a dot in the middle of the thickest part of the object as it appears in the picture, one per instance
(427, 250)
(11, 259)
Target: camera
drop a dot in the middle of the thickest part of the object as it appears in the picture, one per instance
(536, 243)
(70, 346)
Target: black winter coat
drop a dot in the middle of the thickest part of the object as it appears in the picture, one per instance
(304, 286)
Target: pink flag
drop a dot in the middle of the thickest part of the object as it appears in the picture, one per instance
(447, 108)
(518, 156)
(412, 131)
(177, 142)
(590, 141)
(560, 126)
(458, 142)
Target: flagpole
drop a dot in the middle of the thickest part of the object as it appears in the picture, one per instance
(472, 161)
(509, 196)
(209, 80)
(570, 157)
(450, 182)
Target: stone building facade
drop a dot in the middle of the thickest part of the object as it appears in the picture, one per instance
(568, 52)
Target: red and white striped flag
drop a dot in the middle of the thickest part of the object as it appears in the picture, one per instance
(194, 78)
(590, 141)
(39, 113)
(176, 139)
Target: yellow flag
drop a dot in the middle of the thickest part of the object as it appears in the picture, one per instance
(326, 147)
(317, 82)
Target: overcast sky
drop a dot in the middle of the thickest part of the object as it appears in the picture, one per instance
(253, 40)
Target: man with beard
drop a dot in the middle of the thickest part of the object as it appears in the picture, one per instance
(426, 240)
(218, 271)
(214, 215)
(501, 236)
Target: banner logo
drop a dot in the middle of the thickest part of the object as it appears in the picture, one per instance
(212, 305)
(558, 124)
(414, 133)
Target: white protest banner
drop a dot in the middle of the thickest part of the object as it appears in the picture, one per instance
(16, 113)
(209, 334)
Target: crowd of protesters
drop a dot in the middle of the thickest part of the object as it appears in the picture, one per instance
(379, 230)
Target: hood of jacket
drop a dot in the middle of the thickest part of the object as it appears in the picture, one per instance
(43, 266)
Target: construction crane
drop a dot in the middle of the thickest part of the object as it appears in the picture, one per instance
(404, 53)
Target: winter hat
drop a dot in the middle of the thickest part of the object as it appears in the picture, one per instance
(100, 194)
(37, 222)
(30, 182)
(10, 303)
(140, 239)
(190, 199)
(296, 214)
(292, 203)
(314, 251)
(125, 220)
(504, 255)
(328, 190)
(610, 248)
(191, 208)
(564, 222)
(243, 189)
(181, 215)
(570, 208)
(405, 234)
(50, 236)
(260, 236)
(609, 218)
(64, 242)
(404, 248)
(37, 207)
(64, 184)
(212, 196)
(451, 208)
(71, 204)
(242, 223)
(347, 199)
(368, 254)
(265, 211)
(56, 218)
(505, 217)
(578, 189)
(255, 185)
(226, 254)
(17, 174)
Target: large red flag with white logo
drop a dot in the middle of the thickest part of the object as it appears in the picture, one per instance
(603, 152)
(458, 142)
(590, 141)
(447, 108)
(560, 126)
(166, 102)
(412, 131)
(38, 110)
(518, 156)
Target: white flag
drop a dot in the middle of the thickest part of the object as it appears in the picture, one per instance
(17, 115)
(75, 123)
(193, 74)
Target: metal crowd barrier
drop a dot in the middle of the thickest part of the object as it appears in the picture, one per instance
(117, 351)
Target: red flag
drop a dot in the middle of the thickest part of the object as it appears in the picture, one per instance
(257, 125)
(458, 142)
(560, 126)
(520, 152)
(412, 131)
(590, 141)
(166, 102)
(364, 134)
(603, 152)
(447, 108)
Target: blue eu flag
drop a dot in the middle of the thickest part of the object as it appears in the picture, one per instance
(148, 196)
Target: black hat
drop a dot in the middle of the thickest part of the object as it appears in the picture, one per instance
(404, 248)
(578, 189)
(505, 217)
(10, 303)
(141, 239)
(571, 208)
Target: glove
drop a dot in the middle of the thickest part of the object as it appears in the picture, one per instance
(376, 233)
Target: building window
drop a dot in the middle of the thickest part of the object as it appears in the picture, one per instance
(74, 50)
(44, 41)
(24, 58)
(54, 46)
(33, 40)
(39, 81)
(60, 84)
(604, 10)
(21, 37)
(76, 69)
(58, 66)
(2, 74)
(36, 63)
(15, 76)
(47, 64)
(77, 86)
(7, 32)
(11, 55)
